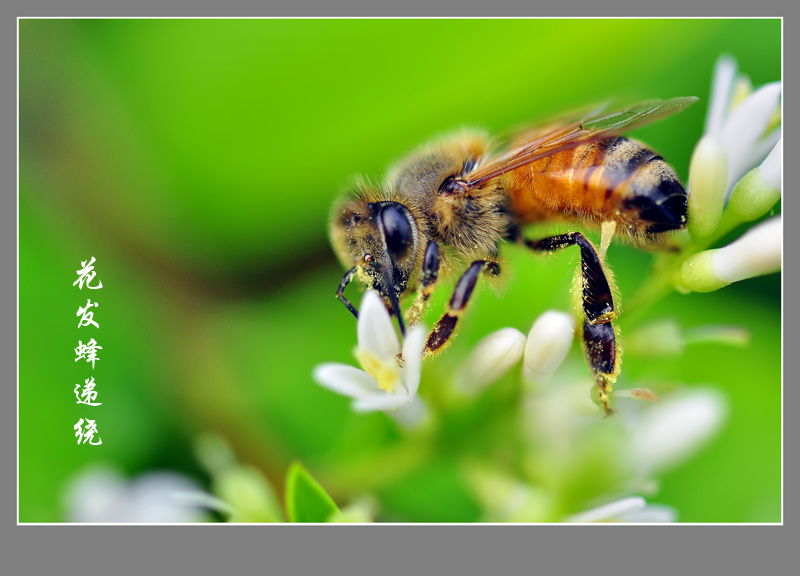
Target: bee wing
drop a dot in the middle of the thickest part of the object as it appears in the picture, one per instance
(564, 135)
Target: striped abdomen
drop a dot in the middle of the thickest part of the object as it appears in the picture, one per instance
(613, 179)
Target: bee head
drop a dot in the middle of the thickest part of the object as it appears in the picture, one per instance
(378, 238)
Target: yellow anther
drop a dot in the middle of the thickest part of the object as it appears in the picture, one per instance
(387, 374)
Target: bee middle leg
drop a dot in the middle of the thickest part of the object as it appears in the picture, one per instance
(446, 325)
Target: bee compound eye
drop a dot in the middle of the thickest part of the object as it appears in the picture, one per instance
(396, 228)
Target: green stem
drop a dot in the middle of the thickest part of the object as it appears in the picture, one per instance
(659, 284)
(666, 269)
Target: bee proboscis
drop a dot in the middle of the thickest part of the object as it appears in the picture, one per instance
(453, 203)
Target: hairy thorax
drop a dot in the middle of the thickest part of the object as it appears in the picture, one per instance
(470, 223)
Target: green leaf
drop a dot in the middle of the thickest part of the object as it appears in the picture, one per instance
(306, 500)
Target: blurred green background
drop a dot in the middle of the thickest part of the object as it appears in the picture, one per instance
(196, 160)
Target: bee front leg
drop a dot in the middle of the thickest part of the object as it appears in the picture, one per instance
(430, 273)
(348, 277)
(446, 325)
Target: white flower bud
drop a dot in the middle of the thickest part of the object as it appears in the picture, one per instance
(490, 359)
(708, 181)
(757, 252)
(548, 343)
(697, 274)
(760, 189)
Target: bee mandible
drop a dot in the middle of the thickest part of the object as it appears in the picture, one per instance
(453, 203)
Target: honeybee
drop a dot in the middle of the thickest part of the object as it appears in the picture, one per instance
(453, 203)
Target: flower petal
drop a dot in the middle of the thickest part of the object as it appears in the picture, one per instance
(721, 89)
(761, 148)
(412, 354)
(345, 380)
(412, 415)
(376, 332)
(744, 127)
(381, 402)
(771, 167)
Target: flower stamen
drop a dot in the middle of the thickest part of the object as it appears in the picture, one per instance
(386, 374)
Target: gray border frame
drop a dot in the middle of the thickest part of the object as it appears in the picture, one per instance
(407, 549)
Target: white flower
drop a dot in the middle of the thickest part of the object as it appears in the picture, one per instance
(548, 344)
(739, 124)
(101, 494)
(633, 509)
(390, 376)
(493, 356)
(757, 252)
(671, 431)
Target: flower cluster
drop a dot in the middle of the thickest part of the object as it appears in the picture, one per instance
(734, 177)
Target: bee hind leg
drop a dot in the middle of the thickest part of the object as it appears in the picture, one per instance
(445, 327)
(598, 304)
(599, 336)
(600, 349)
